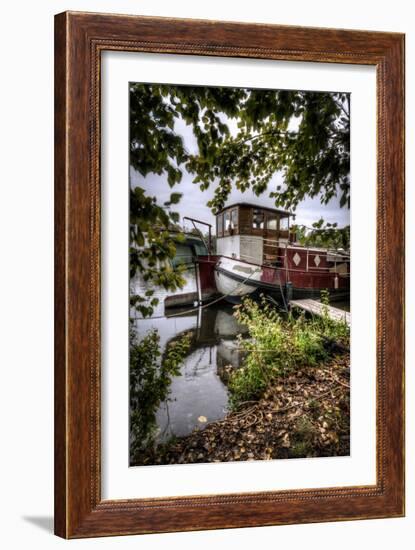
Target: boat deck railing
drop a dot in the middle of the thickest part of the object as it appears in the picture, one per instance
(334, 256)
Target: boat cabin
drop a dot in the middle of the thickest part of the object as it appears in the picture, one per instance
(250, 232)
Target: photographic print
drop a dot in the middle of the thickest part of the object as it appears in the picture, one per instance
(239, 274)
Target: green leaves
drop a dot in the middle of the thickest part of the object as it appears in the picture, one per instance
(303, 135)
(174, 175)
(326, 235)
(151, 374)
(175, 217)
(174, 199)
(278, 346)
(152, 247)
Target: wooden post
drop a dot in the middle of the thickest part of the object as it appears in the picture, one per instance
(288, 291)
(198, 283)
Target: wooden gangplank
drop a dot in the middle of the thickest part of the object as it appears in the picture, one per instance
(317, 308)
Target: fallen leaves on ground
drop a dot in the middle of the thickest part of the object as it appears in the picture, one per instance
(305, 414)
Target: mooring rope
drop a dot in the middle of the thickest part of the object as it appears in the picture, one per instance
(214, 301)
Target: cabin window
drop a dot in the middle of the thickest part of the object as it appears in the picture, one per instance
(220, 225)
(183, 256)
(258, 219)
(284, 224)
(227, 221)
(272, 222)
(234, 219)
(199, 249)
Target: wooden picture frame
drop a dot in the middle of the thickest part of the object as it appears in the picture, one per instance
(79, 40)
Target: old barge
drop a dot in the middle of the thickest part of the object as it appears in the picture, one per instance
(257, 252)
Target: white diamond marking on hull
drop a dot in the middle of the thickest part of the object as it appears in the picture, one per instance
(317, 260)
(296, 258)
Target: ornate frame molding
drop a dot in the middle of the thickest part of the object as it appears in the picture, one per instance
(79, 40)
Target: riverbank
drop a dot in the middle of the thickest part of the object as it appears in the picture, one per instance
(289, 397)
(304, 414)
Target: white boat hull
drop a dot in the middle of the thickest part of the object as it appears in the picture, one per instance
(227, 285)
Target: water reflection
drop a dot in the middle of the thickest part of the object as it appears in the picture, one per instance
(198, 395)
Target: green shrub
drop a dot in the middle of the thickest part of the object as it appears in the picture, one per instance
(151, 374)
(331, 329)
(277, 345)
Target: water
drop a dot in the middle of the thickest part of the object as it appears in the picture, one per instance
(198, 395)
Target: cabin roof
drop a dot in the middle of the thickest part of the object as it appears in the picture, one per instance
(282, 213)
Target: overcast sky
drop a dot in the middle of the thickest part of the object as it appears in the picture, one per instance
(193, 202)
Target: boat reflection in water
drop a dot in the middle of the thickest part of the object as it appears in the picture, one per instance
(199, 395)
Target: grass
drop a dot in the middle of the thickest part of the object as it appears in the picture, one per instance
(277, 345)
(304, 439)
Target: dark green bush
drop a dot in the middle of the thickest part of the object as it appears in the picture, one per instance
(277, 345)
